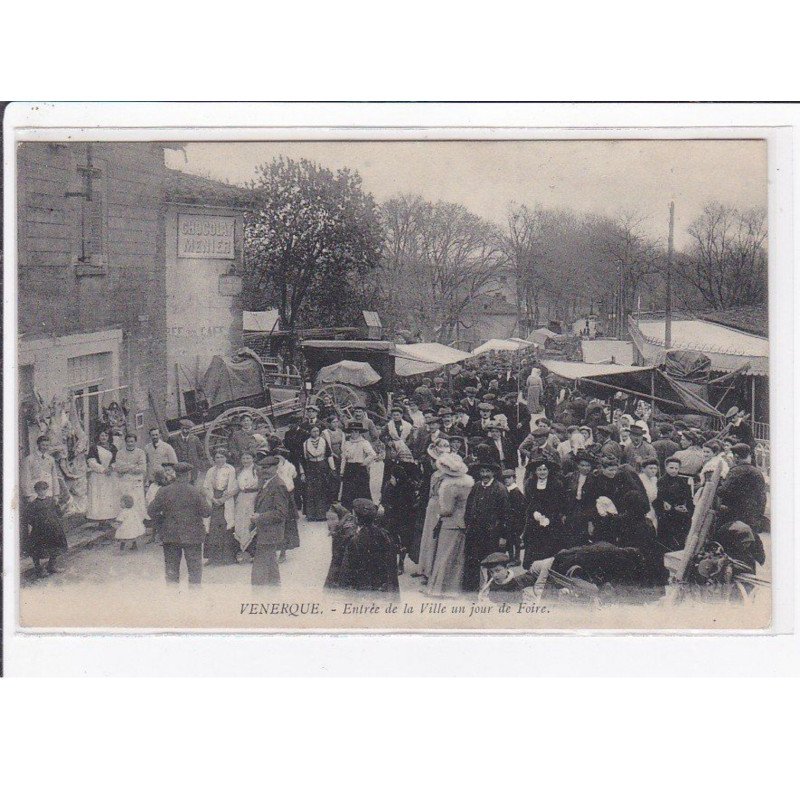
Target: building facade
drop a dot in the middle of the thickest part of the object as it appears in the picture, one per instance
(112, 295)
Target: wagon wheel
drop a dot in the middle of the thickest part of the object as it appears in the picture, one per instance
(339, 395)
(221, 429)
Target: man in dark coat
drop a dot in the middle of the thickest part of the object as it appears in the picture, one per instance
(369, 563)
(740, 428)
(515, 525)
(486, 517)
(179, 510)
(743, 493)
(272, 508)
(189, 449)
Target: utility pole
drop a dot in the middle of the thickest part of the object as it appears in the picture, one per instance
(668, 299)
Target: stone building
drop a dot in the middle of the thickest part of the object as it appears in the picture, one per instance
(125, 270)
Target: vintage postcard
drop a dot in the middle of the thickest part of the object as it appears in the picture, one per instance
(489, 381)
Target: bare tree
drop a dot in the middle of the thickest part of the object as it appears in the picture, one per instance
(727, 262)
(438, 260)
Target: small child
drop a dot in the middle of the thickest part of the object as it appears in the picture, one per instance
(132, 525)
(46, 538)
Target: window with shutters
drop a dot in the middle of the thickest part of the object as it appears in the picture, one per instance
(89, 197)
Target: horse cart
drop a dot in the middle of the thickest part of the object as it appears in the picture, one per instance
(233, 388)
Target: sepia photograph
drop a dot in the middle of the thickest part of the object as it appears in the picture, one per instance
(407, 385)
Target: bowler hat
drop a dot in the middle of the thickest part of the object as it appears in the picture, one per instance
(182, 468)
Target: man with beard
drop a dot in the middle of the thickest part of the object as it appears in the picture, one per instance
(486, 518)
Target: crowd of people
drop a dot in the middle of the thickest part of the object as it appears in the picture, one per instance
(487, 475)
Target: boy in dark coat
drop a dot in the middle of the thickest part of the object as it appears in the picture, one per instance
(46, 538)
(515, 523)
(502, 585)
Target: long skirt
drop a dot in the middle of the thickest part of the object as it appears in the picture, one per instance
(221, 546)
(243, 532)
(355, 483)
(541, 542)
(427, 547)
(448, 567)
(291, 533)
(317, 490)
(102, 497)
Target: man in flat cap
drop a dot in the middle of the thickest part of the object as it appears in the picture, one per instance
(189, 449)
(272, 509)
(178, 510)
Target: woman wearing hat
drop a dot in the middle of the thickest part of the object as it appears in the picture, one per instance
(544, 522)
(448, 566)
(319, 466)
(221, 489)
(357, 455)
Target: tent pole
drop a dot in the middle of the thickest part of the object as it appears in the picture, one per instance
(633, 392)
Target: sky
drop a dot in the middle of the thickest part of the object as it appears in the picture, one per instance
(601, 177)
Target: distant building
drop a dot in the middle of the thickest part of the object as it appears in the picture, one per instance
(490, 317)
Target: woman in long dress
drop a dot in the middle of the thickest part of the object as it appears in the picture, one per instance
(248, 484)
(448, 566)
(319, 466)
(102, 492)
(357, 455)
(427, 547)
(342, 526)
(221, 488)
(546, 504)
(334, 436)
(130, 466)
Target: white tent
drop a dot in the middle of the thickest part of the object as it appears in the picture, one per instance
(261, 321)
(494, 345)
(416, 359)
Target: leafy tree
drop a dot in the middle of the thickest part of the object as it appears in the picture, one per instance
(311, 239)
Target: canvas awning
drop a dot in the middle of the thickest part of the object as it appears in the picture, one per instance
(502, 344)
(354, 373)
(416, 359)
(649, 383)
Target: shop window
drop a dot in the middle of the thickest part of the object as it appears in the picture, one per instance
(90, 380)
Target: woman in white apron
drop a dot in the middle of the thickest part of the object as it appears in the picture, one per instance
(130, 466)
(102, 491)
(221, 487)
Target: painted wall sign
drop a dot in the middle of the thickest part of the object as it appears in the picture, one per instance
(202, 236)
